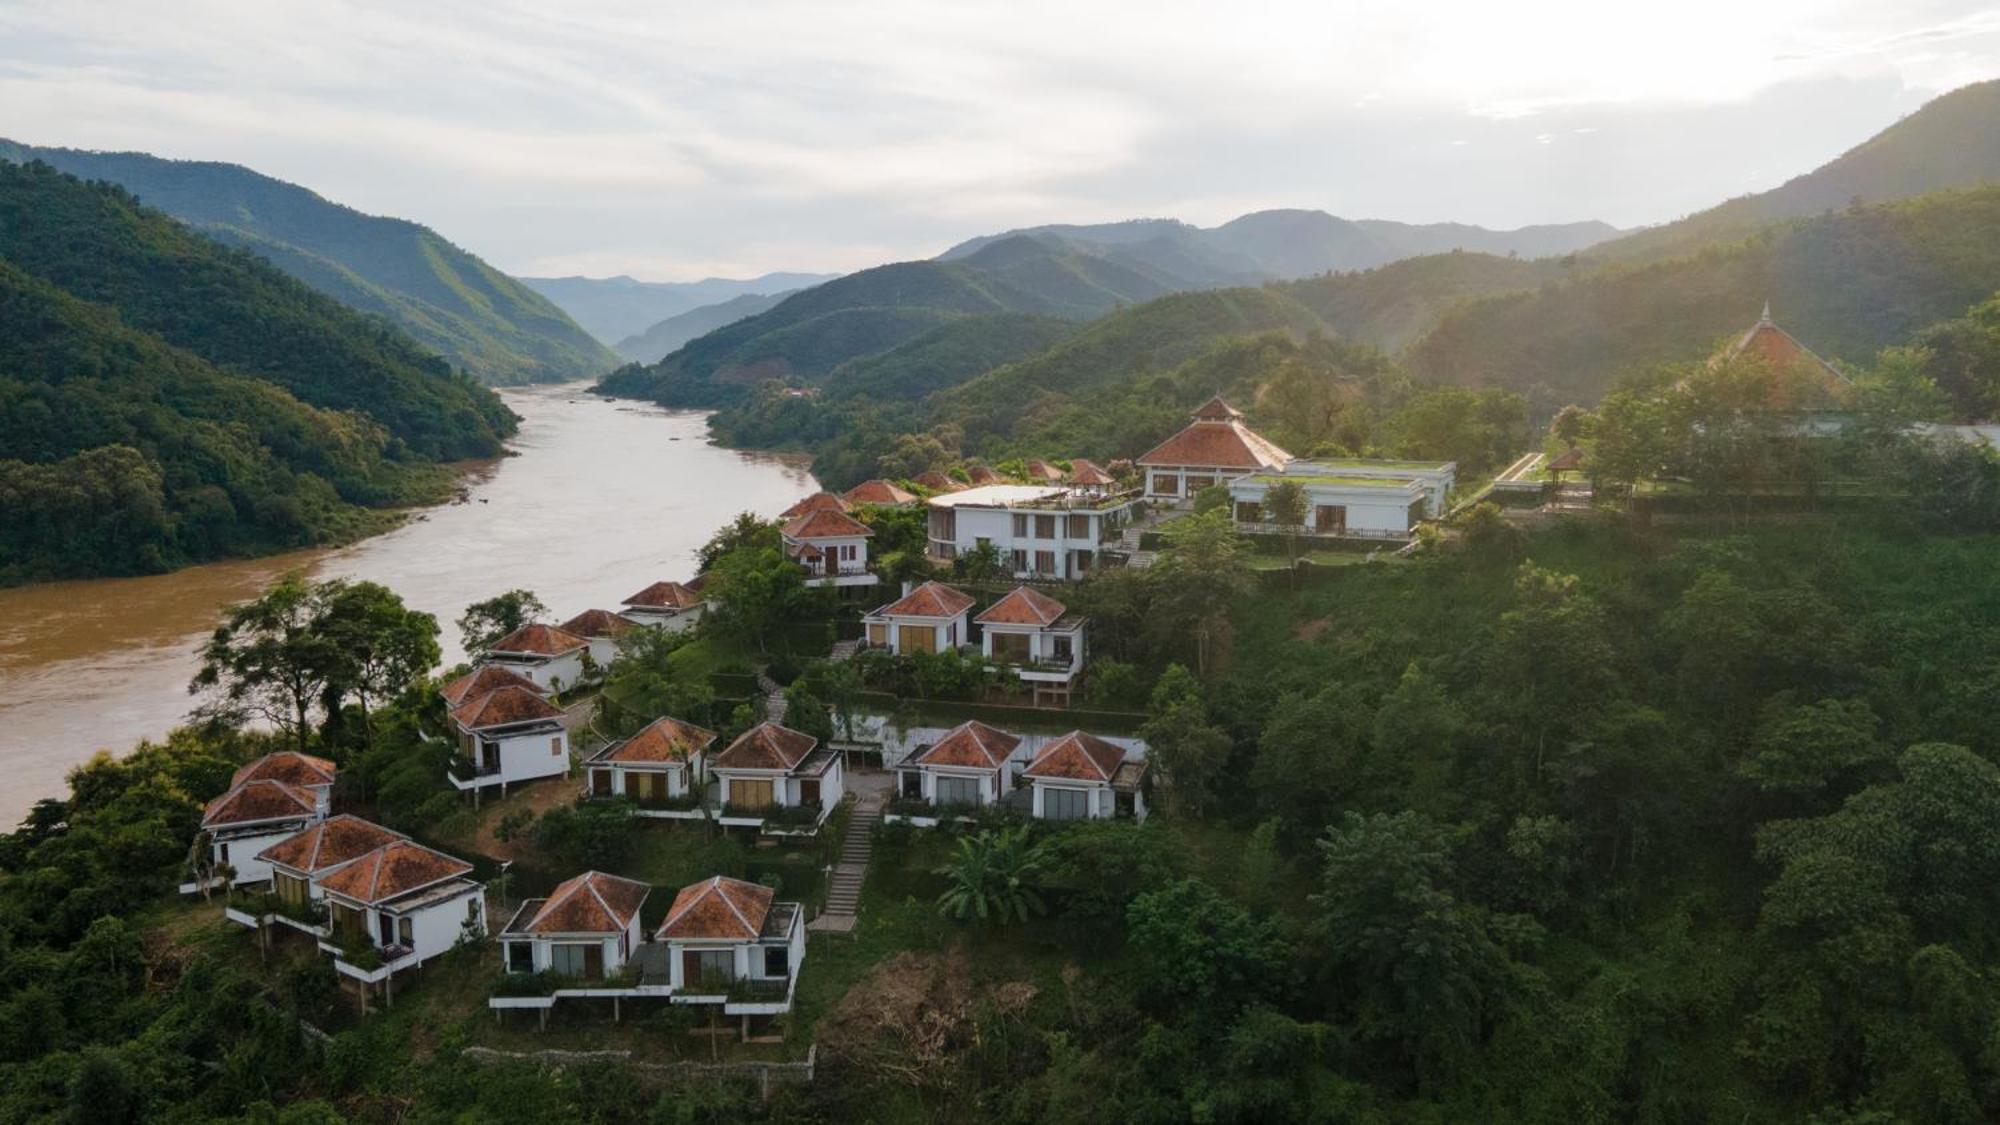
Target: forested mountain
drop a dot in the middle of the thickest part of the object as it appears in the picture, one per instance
(1283, 244)
(1849, 284)
(1390, 306)
(166, 399)
(654, 344)
(615, 308)
(497, 329)
(812, 333)
(1952, 142)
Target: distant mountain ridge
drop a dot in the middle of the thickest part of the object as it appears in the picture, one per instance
(654, 344)
(1287, 244)
(483, 321)
(614, 309)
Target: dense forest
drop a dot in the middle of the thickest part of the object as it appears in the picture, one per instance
(165, 399)
(487, 324)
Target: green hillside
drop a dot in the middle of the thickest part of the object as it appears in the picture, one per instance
(1952, 142)
(667, 335)
(810, 334)
(1847, 284)
(165, 399)
(1391, 306)
(497, 329)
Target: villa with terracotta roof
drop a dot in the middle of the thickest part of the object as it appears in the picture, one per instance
(483, 680)
(600, 629)
(964, 769)
(878, 493)
(930, 618)
(1038, 638)
(666, 605)
(770, 769)
(1090, 475)
(732, 943)
(1798, 378)
(935, 481)
(585, 930)
(297, 862)
(982, 475)
(1048, 531)
(1039, 470)
(397, 907)
(817, 502)
(507, 735)
(550, 657)
(1215, 447)
(254, 814)
(831, 545)
(660, 769)
(1083, 777)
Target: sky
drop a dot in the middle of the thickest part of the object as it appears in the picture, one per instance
(677, 141)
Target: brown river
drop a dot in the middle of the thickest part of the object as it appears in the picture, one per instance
(601, 498)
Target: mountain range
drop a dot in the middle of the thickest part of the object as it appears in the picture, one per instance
(656, 342)
(614, 309)
(483, 321)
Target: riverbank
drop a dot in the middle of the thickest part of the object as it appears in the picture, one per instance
(600, 497)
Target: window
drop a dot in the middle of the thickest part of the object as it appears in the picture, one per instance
(555, 747)
(1065, 804)
(1045, 562)
(1196, 484)
(406, 931)
(750, 794)
(520, 957)
(1020, 559)
(878, 633)
(1166, 484)
(1249, 511)
(916, 638)
(1079, 527)
(1330, 519)
(710, 968)
(1062, 648)
(1009, 647)
(982, 542)
(777, 963)
(959, 790)
(568, 960)
(1080, 561)
(291, 889)
(1020, 527)
(1045, 527)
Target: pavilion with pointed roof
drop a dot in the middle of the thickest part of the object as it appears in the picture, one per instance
(964, 769)
(1798, 378)
(660, 769)
(733, 943)
(878, 493)
(774, 773)
(1215, 447)
(1083, 777)
(930, 618)
(585, 930)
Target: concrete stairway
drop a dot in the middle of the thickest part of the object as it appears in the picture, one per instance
(843, 650)
(774, 697)
(843, 894)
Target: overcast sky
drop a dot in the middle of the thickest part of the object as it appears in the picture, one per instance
(675, 141)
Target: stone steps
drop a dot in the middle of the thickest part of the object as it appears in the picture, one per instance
(843, 892)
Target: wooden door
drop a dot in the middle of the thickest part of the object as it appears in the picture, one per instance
(917, 638)
(600, 783)
(593, 961)
(750, 794)
(809, 792)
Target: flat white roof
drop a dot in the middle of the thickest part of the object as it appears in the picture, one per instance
(998, 495)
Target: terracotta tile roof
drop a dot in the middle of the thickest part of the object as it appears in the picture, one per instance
(1039, 469)
(1089, 473)
(1215, 443)
(288, 766)
(662, 740)
(1569, 460)
(539, 640)
(503, 707)
(932, 599)
(980, 474)
(1023, 605)
(817, 502)
(330, 843)
(392, 870)
(484, 680)
(590, 903)
(825, 524)
(697, 582)
(1782, 354)
(971, 744)
(1078, 757)
(878, 491)
(766, 746)
(597, 623)
(666, 595)
(938, 482)
(720, 909)
(1216, 410)
(260, 799)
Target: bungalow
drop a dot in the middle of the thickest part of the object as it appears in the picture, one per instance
(1090, 476)
(483, 680)
(1045, 531)
(508, 735)
(1082, 777)
(659, 768)
(935, 481)
(930, 618)
(728, 942)
(878, 493)
(1038, 637)
(666, 605)
(771, 767)
(551, 657)
(601, 628)
(831, 545)
(586, 929)
(1041, 471)
(241, 823)
(966, 768)
(1216, 446)
(1353, 497)
(817, 502)
(981, 475)
(297, 862)
(396, 908)
(300, 771)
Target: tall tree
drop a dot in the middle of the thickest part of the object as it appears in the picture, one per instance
(384, 645)
(269, 660)
(1286, 504)
(486, 622)
(1199, 577)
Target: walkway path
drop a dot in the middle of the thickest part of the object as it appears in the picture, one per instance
(774, 697)
(843, 894)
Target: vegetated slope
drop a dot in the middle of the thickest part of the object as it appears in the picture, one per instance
(1847, 285)
(1117, 351)
(1952, 142)
(615, 308)
(812, 333)
(1391, 306)
(238, 312)
(946, 356)
(485, 322)
(654, 344)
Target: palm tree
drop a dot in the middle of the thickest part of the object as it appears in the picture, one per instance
(993, 878)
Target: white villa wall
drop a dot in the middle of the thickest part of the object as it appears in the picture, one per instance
(672, 622)
(988, 779)
(438, 927)
(1041, 642)
(996, 525)
(548, 673)
(240, 852)
(543, 954)
(524, 757)
(677, 779)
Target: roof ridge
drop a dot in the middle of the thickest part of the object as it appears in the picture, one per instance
(733, 908)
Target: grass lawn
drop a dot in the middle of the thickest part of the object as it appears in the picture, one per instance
(1328, 558)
